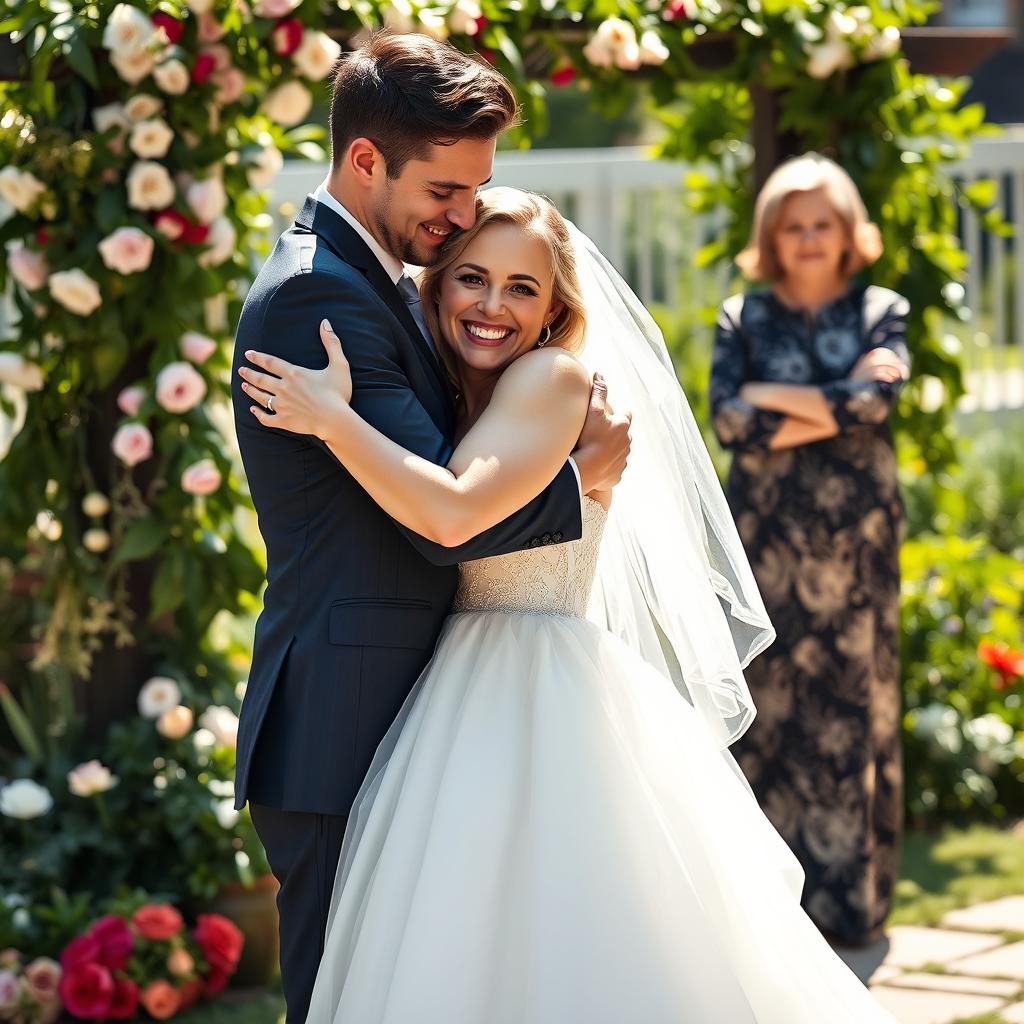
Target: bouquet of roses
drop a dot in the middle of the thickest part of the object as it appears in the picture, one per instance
(147, 961)
(28, 993)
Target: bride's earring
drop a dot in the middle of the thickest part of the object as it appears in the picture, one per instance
(545, 337)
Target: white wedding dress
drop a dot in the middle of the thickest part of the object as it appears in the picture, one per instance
(550, 835)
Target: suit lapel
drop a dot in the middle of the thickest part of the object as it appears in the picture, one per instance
(344, 241)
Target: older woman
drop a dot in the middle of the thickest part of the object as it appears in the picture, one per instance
(805, 374)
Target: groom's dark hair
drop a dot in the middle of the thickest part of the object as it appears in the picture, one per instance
(406, 93)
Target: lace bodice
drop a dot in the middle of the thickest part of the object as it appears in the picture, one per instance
(555, 578)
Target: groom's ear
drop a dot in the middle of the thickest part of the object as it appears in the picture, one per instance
(365, 162)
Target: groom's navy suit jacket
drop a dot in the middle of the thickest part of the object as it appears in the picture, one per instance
(354, 602)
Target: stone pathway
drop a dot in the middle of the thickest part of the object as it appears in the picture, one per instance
(973, 964)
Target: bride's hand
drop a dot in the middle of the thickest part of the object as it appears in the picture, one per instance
(295, 398)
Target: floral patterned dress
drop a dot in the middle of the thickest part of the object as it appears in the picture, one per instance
(822, 524)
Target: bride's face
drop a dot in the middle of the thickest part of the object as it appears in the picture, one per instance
(496, 297)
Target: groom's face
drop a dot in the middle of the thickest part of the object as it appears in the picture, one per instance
(416, 212)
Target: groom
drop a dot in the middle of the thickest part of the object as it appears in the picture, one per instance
(354, 601)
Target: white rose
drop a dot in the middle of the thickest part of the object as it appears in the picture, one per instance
(28, 267)
(76, 291)
(885, 44)
(172, 77)
(222, 241)
(142, 107)
(825, 59)
(227, 816)
(652, 49)
(96, 540)
(265, 167)
(275, 8)
(288, 104)
(151, 138)
(149, 186)
(433, 24)
(49, 526)
(90, 778)
(175, 723)
(127, 250)
(222, 723)
(462, 18)
(180, 387)
(20, 188)
(19, 372)
(316, 55)
(24, 799)
(128, 30)
(132, 443)
(398, 16)
(159, 694)
(207, 199)
(95, 504)
(135, 66)
(112, 115)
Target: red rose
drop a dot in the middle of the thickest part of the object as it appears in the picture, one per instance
(79, 952)
(125, 1003)
(175, 29)
(287, 37)
(677, 10)
(216, 981)
(1004, 659)
(157, 921)
(220, 940)
(115, 940)
(87, 991)
(204, 66)
(563, 76)
(42, 236)
(190, 992)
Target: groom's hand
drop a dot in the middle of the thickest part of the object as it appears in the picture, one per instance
(603, 447)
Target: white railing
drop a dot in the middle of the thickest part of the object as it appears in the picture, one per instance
(635, 209)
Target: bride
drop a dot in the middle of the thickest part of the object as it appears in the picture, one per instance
(553, 830)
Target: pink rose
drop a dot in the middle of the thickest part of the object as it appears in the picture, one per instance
(179, 387)
(129, 400)
(210, 29)
(132, 444)
(29, 268)
(230, 86)
(202, 477)
(127, 250)
(80, 951)
(115, 939)
(196, 347)
(87, 991)
(274, 8)
(10, 992)
(42, 978)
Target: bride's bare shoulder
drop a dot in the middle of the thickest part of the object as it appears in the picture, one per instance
(545, 372)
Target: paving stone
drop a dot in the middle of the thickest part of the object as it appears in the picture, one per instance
(884, 974)
(956, 983)
(911, 946)
(1005, 962)
(1013, 1014)
(1005, 915)
(919, 1007)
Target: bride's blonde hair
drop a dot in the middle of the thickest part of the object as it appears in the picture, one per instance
(537, 216)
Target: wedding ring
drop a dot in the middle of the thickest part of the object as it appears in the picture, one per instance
(270, 404)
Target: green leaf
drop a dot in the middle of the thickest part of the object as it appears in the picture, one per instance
(79, 58)
(168, 591)
(142, 538)
(20, 725)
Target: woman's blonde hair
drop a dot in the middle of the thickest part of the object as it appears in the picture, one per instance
(537, 216)
(808, 173)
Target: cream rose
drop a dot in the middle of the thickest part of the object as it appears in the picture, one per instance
(230, 86)
(143, 107)
(614, 42)
(132, 443)
(264, 167)
(202, 477)
(652, 49)
(28, 267)
(96, 540)
(157, 696)
(172, 77)
(76, 291)
(151, 139)
(222, 723)
(288, 104)
(222, 242)
(275, 8)
(17, 371)
(179, 387)
(196, 347)
(127, 30)
(127, 250)
(21, 189)
(207, 199)
(25, 799)
(462, 18)
(112, 115)
(316, 55)
(134, 67)
(175, 723)
(149, 186)
(42, 978)
(90, 778)
(95, 505)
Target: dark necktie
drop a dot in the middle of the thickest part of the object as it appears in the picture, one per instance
(409, 292)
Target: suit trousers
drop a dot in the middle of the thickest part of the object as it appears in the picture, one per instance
(303, 851)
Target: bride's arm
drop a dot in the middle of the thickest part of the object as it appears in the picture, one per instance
(511, 454)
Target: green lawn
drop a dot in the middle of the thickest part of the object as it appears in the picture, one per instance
(939, 873)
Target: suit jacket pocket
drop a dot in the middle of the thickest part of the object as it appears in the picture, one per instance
(382, 623)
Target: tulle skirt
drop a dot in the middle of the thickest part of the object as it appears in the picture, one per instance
(549, 835)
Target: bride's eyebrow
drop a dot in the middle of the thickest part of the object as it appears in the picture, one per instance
(511, 277)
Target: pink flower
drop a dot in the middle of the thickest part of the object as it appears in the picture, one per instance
(115, 939)
(125, 1002)
(274, 8)
(42, 977)
(127, 250)
(179, 387)
(87, 991)
(129, 400)
(132, 444)
(210, 29)
(563, 76)
(180, 962)
(173, 28)
(80, 951)
(203, 68)
(10, 993)
(196, 347)
(202, 477)
(28, 267)
(230, 86)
